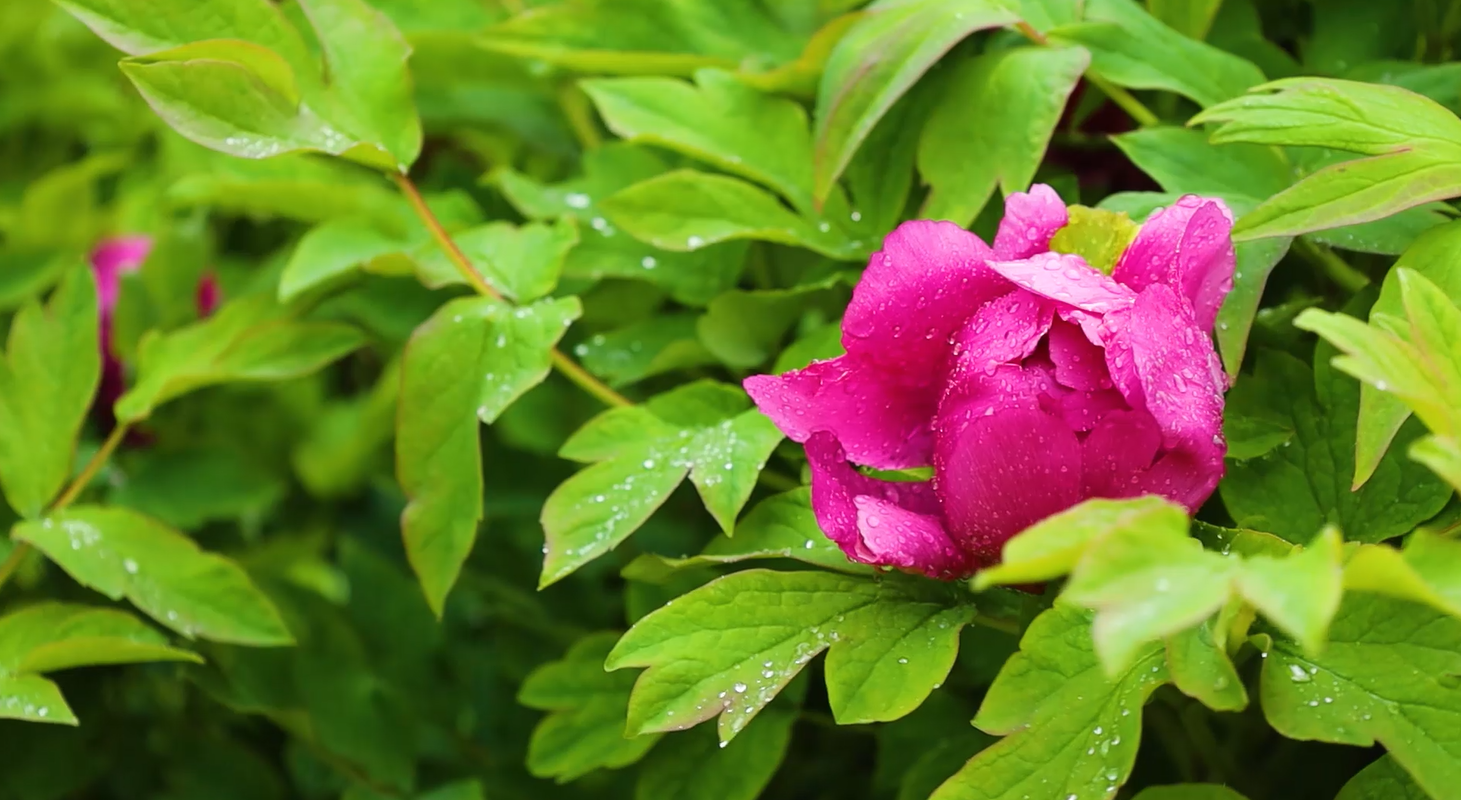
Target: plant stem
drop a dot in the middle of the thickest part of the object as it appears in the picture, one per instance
(587, 382)
(87, 474)
(1334, 268)
(565, 365)
(1126, 100)
(1004, 624)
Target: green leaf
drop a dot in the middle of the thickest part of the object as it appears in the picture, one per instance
(720, 121)
(1383, 779)
(188, 488)
(692, 278)
(521, 261)
(642, 349)
(696, 766)
(1191, 18)
(728, 648)
(33, 699)
(585, 729)
(1068, 729)
(1189, 791)
(781, 526)
(365, 64)
(1298, 487)
(685, 210)
(1387, 675)
(644, 37)
(1427, 571)
(236, 98)
(438, 458)
(333, 249)
(1201, 669)
(744, 328)
(1131, 48)
(249, 339)
(880, 59)
(50, 636)
(1412, 142)
(1003, 105)
(50, 371)
(643, 452)
(1052, 548)
(1132, 562)
(137, 28)
(121, 553)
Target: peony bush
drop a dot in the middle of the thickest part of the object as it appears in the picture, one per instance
(730, 399)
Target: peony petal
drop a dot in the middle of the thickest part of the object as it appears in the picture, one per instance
(1182, 383)
(1117, 454)
(1187, 246)
(881, 420)
(1030, 220)
(1006, 330)
(1068, 279)
(1003, 472)
(112, 259)
(897, 537)
(898, 332)
(1079, 364)
(917, 291)
(836, 487)
(1082, 411)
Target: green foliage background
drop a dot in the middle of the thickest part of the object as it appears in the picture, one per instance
(404, 517)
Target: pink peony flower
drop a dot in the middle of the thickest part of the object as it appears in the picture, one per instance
(110, 261)
(1028, 379)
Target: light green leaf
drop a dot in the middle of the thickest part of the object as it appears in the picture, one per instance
(249, 339)
(137, 28)
(365, 64)
(1300, 486)
(744, 328)
(720, 121)
(1383, 779)
(1003, 105)
(1191, 18)
(1201, 669)
(880, 59)
(50, 636)
(1412, 142)
(584, 730)
(1131, 48)
(121, 553)
(334, 249)
(692, 278)
(1189, 791)
(728, 648)
(50, 371)
(685, 210)
(695, 766)
(32, 698)
(1052, 548)
(220, 94)
(1427, 571)
(700, 429)
(644, 37)
(521, 261)
(1387, 675)
(1068, 729)
(466, 364)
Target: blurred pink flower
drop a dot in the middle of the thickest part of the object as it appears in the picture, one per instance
(110, 261)
(1028, 379)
